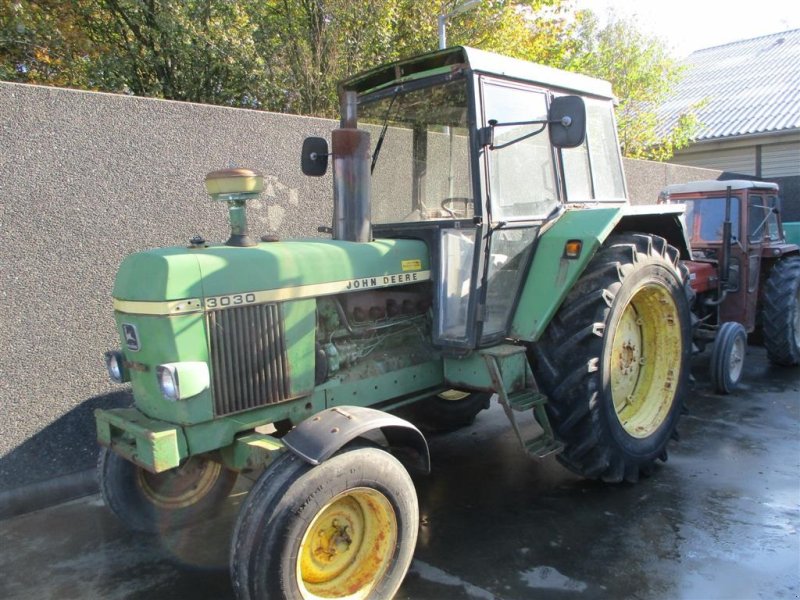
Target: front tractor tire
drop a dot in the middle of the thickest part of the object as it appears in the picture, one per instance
(781, 313)
(153, 502)
(344, 529)
(614, 361)
(448, 411)
(727, 357)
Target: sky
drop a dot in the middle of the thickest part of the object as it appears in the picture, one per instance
(689, 25)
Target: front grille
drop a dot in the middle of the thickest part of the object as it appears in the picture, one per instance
(248, 357)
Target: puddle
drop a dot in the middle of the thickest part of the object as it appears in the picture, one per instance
(549, 578)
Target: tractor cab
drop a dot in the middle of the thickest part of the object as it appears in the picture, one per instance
(475, 154)
(752, 209)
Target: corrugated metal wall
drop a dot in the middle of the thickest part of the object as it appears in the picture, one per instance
(780, 160)
(736, 160)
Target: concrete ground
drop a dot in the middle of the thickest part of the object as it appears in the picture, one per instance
(719, 520)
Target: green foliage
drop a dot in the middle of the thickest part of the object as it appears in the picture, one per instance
(288, 55)
(282, 55)
(42, 43)
(642, 73)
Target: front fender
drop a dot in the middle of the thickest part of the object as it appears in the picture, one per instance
(319, 437)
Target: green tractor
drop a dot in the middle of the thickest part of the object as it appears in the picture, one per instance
(482, 245)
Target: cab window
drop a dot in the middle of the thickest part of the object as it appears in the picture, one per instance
(522, 181)
(593, 170)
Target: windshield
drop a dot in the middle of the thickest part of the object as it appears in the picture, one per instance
(422, 168)
(704, 219)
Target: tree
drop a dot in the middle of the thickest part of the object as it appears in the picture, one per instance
(288, 55)
(641, 73)
(281, 55)
(41, 42)
(315, 43)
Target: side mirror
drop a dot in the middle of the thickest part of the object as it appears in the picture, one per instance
(567, 121)
(314, 157)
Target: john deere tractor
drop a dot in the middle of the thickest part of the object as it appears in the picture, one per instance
(482, 245)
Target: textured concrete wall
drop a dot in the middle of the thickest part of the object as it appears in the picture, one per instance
(646, 178)
(86, 179)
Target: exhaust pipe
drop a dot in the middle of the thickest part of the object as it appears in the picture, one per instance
(351, 176)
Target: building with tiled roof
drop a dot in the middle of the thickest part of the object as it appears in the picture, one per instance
(749, 97)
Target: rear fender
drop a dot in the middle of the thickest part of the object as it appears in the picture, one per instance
(665, 220)
(552, 275)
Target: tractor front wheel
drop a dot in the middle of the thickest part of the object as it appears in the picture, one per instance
(344, 529)
(152, 502)
(448, 410)
(727, 357)
(781, 313)
(614, 360)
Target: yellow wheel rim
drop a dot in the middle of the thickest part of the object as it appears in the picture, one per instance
(646, 355)
(348, 546)
(181, 487)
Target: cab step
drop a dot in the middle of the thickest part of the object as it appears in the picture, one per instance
(526, 400)
(539, 443)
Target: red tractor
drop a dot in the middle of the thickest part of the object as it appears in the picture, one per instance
(744, 275)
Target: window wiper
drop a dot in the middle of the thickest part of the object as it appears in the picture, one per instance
(384, 129)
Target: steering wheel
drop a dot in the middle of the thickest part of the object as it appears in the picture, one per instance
(449, 205)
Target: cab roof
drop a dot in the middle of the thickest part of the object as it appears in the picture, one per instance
(713, 185)
(465, 58)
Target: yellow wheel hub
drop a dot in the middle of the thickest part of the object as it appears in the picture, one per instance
(181, 487)
(348, 546)
(646, 354)
(453, 395)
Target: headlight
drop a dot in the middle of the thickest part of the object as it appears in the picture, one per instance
(168, 381)
(115, 365)
(183, 380)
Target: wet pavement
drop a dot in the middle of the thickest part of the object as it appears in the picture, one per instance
(719, 520)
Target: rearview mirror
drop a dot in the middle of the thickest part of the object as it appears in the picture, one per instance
(314, 157)
(567, 119)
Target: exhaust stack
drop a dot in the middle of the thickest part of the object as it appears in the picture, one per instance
(351, 176)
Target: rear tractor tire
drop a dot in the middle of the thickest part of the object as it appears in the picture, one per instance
(344, 529)
(614, 361)
(153, 502)
(781, 313)
(727, 357)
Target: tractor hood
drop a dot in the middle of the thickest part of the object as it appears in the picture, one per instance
(268, 272)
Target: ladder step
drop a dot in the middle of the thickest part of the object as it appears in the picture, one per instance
(526, 399)
(543, 446)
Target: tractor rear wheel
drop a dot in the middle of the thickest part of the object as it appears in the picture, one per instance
(152, 502)
(781, 313)
(614, 360)
(727, 357)
(344, 529)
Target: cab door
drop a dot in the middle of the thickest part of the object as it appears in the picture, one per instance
(746, 250)
(522, 189)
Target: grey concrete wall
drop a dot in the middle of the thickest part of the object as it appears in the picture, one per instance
(647, 178)
(87, 178)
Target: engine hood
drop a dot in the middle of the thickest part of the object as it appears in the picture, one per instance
(703, 276)
(272, 271)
